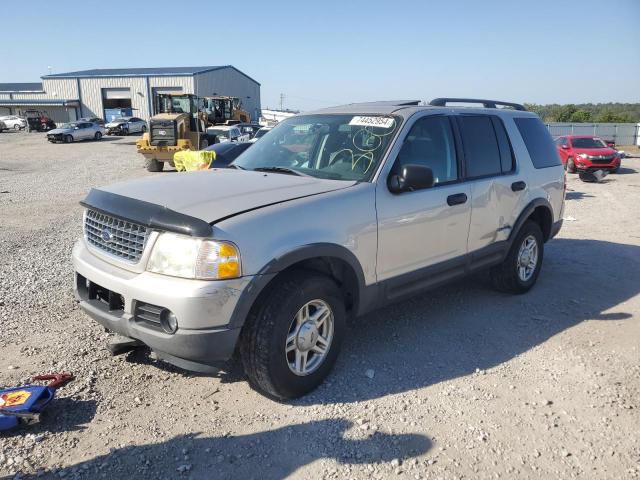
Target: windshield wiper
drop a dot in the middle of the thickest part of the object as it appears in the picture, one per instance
(285, 170)
(232, 165)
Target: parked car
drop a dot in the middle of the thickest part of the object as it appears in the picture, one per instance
(126, 125)
(339, 212)
(38, 121)
(98, 120)
(15, 122)
(74, 131)
(586, 153)
(227, 152)
(260, 133)
(249, 128)
(226, 133)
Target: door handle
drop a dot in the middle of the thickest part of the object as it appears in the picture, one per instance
(517, 186)
(457, 199)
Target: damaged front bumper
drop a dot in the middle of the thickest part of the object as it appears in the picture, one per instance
(131, 304)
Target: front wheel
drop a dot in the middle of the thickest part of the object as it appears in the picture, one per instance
(154, 165)
(521, 267)
(292, 337)
(97, 136)
(16, 127)
(143, 129)
(571, 166)
(68, 139)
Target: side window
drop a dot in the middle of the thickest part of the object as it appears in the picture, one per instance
(538, 141)
(481, 149)
(430, 143)
(506, 152)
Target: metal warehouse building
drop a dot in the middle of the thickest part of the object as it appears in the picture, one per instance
(68, 96)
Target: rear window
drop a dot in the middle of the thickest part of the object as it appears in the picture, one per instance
(539, 143)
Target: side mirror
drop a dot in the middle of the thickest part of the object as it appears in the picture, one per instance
(411, 177)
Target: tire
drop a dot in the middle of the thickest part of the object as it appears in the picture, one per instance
(68, 139)
(274, 319)
(143, 129)
(97, 136)
(16, 127)
(571, 166)
(506, 277)
(204, 143)
(154, 165)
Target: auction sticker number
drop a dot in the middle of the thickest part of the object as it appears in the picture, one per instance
(381, 122)
(15, 398)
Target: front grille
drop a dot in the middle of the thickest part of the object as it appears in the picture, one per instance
(602, 161)
(148, 314)
(114, 236)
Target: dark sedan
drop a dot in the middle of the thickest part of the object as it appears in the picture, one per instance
(227, 152)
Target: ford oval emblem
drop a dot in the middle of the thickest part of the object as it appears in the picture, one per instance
(106, 235)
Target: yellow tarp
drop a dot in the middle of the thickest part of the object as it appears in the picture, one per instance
(189, 160)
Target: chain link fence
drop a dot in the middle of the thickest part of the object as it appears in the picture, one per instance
(619, 133)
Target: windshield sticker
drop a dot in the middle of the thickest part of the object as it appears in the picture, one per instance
(381, 122)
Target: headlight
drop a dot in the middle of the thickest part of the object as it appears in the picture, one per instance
(583, 156)
(188, 257)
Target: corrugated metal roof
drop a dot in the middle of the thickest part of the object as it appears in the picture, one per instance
(135, 72)
(144, 72)
(21, 87)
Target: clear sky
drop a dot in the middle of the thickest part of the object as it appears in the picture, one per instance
(324, 52)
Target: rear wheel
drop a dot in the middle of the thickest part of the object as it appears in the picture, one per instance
(571, 166)
(519, 270)
(68, 139)
(97, 136)
(292, 337)
(154, 165)
(143, 129)
(16, 127)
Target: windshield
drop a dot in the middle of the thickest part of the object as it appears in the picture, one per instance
(588, 143)
(340, 147)
(261, 132)
(119, 120)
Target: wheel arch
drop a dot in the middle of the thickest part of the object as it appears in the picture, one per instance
(540, 211)
(332, 260)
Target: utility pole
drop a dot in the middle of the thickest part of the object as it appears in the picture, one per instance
(282, 101)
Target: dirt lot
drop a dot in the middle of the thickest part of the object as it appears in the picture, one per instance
(468, 383)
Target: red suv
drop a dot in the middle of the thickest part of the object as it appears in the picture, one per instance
(582, 153)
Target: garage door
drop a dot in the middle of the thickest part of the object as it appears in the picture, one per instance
(116, 93)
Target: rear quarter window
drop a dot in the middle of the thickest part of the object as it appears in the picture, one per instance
(540, 145)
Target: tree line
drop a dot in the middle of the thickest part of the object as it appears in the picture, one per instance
(588, 112)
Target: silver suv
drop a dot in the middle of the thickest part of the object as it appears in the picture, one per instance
(331, 215)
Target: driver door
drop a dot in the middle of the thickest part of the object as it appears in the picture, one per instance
(422, 235)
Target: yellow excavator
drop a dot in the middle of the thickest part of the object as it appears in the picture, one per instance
(180, 123)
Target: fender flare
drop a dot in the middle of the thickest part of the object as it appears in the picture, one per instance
(524, 215)
(306, 252)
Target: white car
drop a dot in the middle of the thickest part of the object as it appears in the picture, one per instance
(260, 133)
(15, 122)
(129, 124)
(226, 133)
(74, 131)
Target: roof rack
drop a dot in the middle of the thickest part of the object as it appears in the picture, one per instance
(442, 102)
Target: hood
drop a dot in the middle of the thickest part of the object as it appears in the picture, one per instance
(212, 195)
(59, 130)
(115, 124)
(596, 151)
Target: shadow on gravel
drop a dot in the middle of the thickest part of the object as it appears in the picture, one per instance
(575, 195)
(454, 330)
(625, 171)
(272, 454)
(62, 415)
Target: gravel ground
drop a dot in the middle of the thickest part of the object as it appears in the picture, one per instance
(459, 383)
